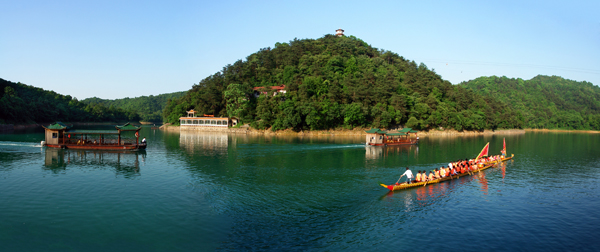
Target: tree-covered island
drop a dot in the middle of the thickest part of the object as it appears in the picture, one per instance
(342, 82)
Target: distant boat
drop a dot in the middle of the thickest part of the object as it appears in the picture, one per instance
(59, 135)
(377, 137)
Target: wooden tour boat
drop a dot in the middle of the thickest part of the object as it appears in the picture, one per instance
(59, 135)
(377, 137)
(416, 184)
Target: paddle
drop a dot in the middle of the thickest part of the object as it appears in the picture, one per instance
(426, 181)
(399, 179)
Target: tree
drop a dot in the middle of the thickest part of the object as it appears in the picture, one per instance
(237, 100)
(353, 115)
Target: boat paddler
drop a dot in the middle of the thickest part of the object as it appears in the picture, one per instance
(454, 172)
(431, 176)
(418, 177)
(409, 175)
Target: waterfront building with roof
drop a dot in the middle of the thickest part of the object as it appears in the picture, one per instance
(191, 121)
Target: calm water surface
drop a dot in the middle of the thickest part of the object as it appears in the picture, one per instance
(205, 192)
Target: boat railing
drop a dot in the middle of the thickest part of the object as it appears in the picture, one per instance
(95, 142)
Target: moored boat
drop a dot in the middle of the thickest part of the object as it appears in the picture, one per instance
(59, 135)
(377, 137)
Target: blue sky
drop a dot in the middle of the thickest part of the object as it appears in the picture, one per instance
(117, 49)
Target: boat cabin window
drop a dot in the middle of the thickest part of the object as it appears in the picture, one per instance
(200, 121)
(54, 135)
(224, 122)
(195, 121)
(218, 122)
(213, 122)
(189, 121)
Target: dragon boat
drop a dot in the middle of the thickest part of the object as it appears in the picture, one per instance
(405, 185)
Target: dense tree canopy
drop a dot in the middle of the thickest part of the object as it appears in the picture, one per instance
(148, 108)
(20, 103)
(334, 82)
(544, 101)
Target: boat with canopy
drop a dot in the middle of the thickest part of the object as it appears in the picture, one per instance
(378, 137)
(123, 137)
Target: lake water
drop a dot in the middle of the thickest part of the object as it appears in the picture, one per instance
(210, 191)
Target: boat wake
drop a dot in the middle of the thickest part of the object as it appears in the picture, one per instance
(336, 146)
(19, 144)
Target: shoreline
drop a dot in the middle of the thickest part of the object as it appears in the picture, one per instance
(340, 132)
(565, 131)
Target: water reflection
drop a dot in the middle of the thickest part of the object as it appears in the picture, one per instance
(205, 143)
(480, 177)
(125, 163)
(376, 152)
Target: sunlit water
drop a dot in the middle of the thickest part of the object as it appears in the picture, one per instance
(210, 191)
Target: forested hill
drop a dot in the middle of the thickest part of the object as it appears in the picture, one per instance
(335, 82)
(149, 108)
(544, 101)
(20, 103)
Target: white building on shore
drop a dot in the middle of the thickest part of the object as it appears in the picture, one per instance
(207, 121)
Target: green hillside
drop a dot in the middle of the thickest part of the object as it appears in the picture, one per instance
(149, 108)
(20, 103)
(548, 102)
(335, 82)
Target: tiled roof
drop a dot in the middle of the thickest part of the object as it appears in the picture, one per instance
(57, 126)
(127, 127)
(405, 130)
(278, 88)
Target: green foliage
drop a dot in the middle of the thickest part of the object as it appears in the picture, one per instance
(20, 103)
(412, 123)
(353, 115)
(548, 102)
(237, 101)
(144, 108)
(336, 82)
